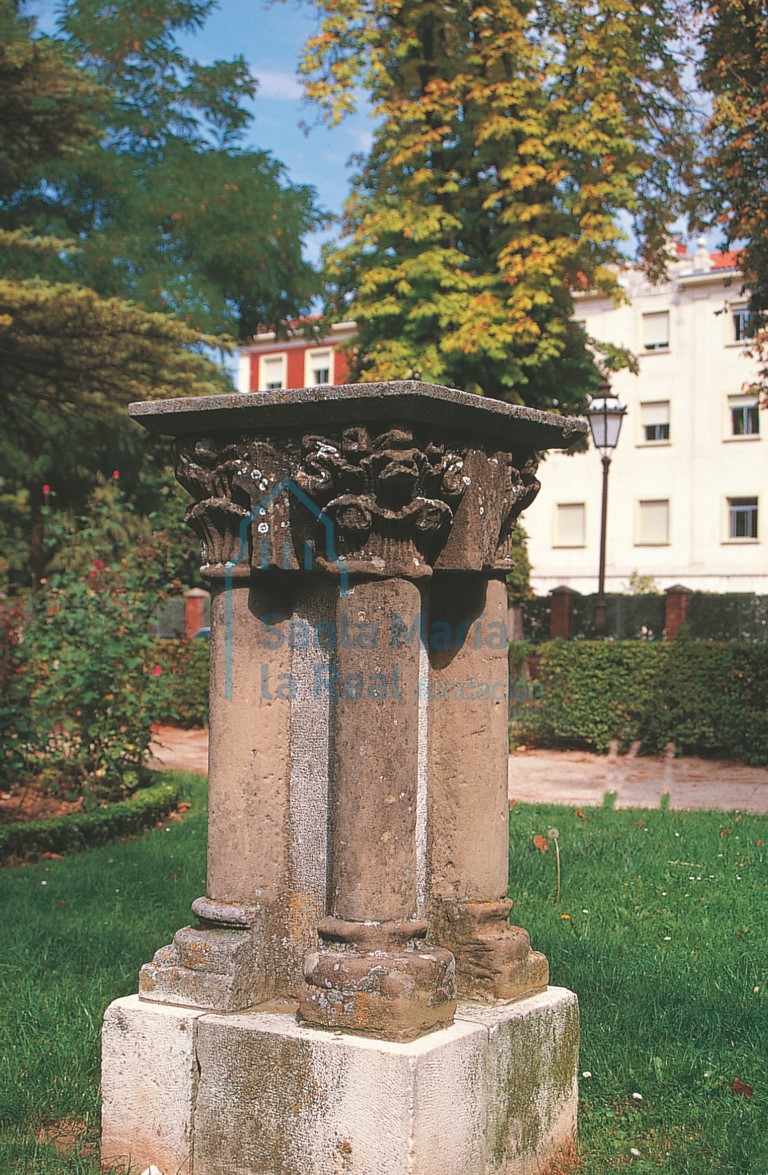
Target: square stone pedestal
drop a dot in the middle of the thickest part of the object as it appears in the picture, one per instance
(200, 1093)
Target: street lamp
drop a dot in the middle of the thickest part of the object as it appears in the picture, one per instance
(605, 415)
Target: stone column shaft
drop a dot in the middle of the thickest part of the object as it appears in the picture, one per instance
(372, 973)
(213, 964)
(376, 759)
(469, 809)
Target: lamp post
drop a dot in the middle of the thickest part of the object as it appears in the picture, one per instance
(605, 415)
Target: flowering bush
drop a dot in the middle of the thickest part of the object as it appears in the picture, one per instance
(83, 683)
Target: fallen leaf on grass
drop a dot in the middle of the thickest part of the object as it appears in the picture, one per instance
(742, 1088)
(725, 832)
(51, 857)
(541, 843)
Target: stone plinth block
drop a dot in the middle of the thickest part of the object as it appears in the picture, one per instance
(149, 1086)
(259, 1094)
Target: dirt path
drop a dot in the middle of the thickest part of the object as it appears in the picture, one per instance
(580, 778)
(570, 777)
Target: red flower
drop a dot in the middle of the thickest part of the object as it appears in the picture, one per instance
(99, 564)
(156, 671)
(116, 474)
(46, 489)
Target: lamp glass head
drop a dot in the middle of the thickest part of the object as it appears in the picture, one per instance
(605, 415)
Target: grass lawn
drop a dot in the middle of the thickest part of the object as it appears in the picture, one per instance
(660, 930)
(76, 933)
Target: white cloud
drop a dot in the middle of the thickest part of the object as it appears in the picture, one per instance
(277, 84)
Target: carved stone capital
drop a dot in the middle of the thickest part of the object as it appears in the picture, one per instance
(397, 501)
(390, 497)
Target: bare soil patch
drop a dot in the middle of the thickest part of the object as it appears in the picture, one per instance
(30, 802)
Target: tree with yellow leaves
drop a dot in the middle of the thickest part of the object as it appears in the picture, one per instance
(734, 69)
(515, 145)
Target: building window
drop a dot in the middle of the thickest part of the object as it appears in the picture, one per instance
(652, 523)
(654, 420)
(743, 322)
(745, 416)
(318, 367)
(742, 518)
(656, 331)
(570, 524)
(271, 373)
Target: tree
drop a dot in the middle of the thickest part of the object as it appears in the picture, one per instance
(45, 104)
(168, 207)
(513, 140)
(734, 69)
(133, 231)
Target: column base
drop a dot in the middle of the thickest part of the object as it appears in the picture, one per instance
(214, 965)
(494, 960)
(494, 1094)
(393, 996)
(380, 979)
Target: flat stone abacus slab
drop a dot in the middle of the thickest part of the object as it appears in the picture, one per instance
(260, 1094)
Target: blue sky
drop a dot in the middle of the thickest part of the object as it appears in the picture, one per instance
(270, 37)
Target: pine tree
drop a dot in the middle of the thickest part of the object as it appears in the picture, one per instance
(131, 229)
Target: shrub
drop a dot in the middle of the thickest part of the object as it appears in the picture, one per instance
(85, 687)
(185, 676)
(81, 830)
(708, 699)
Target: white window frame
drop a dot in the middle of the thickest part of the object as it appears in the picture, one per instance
(742, 313)
(269, 364)
(560, 542)
(662, 409)
(742, 502)
(315, 358)
(644, 542)
(745, 403)
(655, 348)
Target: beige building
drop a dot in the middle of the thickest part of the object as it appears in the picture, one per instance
(688, 487)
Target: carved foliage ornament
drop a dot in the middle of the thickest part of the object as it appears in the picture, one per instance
(393, 501)
(387, 496)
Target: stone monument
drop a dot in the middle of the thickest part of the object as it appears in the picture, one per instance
(352, 997)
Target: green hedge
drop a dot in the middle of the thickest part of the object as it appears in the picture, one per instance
(706, 698)
(81, 830)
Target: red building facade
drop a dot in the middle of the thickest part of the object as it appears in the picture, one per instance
(270, 364)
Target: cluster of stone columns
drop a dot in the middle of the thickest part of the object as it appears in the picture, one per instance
(355, 540)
